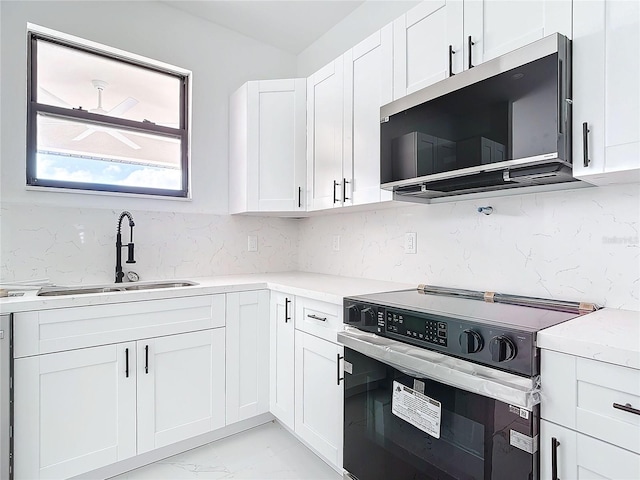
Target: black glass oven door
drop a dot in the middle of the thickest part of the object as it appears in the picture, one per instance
(475, 432)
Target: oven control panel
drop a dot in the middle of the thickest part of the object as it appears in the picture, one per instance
(427, 330)
(503, 348)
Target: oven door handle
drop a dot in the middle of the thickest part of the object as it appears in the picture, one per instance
(506, 387)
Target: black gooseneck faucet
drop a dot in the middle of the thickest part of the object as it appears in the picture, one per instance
(130, 259)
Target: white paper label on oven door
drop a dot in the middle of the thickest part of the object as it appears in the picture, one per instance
(523, 442)
(348, 367)
(419, 410)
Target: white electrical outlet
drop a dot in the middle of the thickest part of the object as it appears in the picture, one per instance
(410, 242)
(252, 243)
(336, 243)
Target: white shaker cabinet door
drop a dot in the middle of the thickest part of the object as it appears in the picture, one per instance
(247, 353)
(324, 137)
(319, 396)
(181, 387)
(499, 27)
(423, 38)
(606, 91)
(282, 355)
(75, 411)
(368, 84)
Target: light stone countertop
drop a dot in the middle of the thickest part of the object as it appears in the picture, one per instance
(607, 335)
(327, 288)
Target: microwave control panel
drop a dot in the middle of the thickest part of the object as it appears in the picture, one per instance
(426, 330)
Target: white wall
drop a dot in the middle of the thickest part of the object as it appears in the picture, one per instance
(368, 18)
(577, 245)
(221, 60)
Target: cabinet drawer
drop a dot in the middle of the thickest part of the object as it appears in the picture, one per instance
(600, 386)
(48, 331)
(318, 318)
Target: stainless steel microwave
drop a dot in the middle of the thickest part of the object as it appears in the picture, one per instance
(503, 124)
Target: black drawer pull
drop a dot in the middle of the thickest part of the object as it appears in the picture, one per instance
(126, 362)
(316, 317)
(627, 408)
(554, 458)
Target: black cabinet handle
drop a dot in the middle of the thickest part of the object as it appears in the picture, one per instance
(344, 190)
(471, 43)
(627, 408)
(299, 197)
(338, 358)
(335, 184)
(146, 359)
(451, 54)
(316, 317)
(554, 458)
(286, 310)
(126, 362)
(585, 143)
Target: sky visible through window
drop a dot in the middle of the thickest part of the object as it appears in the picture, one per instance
(94, 170)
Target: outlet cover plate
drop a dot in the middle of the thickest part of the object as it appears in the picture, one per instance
(410, 242)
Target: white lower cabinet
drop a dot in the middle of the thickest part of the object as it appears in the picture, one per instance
(181, 387)
(581, 457)
(282, 355)
(247, 355)
(318, 397)
(589, 419)
(83, 409)
(74, 411)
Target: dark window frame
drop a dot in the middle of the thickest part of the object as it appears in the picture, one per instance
(34, 108)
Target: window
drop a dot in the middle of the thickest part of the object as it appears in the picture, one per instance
(101, 121)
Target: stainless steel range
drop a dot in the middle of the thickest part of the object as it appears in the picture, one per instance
(444, 384)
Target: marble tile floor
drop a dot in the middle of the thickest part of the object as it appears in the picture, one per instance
(261, 453)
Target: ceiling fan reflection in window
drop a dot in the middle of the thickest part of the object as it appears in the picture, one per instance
(116, 111)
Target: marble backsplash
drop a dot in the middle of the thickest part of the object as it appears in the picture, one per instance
(576, 245)
(76, 245)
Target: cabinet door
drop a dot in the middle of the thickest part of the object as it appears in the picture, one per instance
(276, 145)
(606, 66)
(565, 451)
(74, 411)
(368, 84)
(324, 137)
(282, 356)
(181, 387)
(319, 391)
(421, 43)
(498, 27)
(247, 357)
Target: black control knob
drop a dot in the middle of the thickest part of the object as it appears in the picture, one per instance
(502, 349)
(368, 317)
(471, 341)
(353, 314)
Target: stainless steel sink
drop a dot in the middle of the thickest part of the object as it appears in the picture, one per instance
(78, 290)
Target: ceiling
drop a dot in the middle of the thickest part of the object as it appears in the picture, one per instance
(290, 25)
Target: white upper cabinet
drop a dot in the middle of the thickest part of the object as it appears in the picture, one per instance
(368, 84)
(498, 27)
(267, 147)
(423, 40)
(606, 91)
(324, 137)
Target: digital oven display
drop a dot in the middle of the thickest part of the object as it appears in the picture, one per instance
(418, 328)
